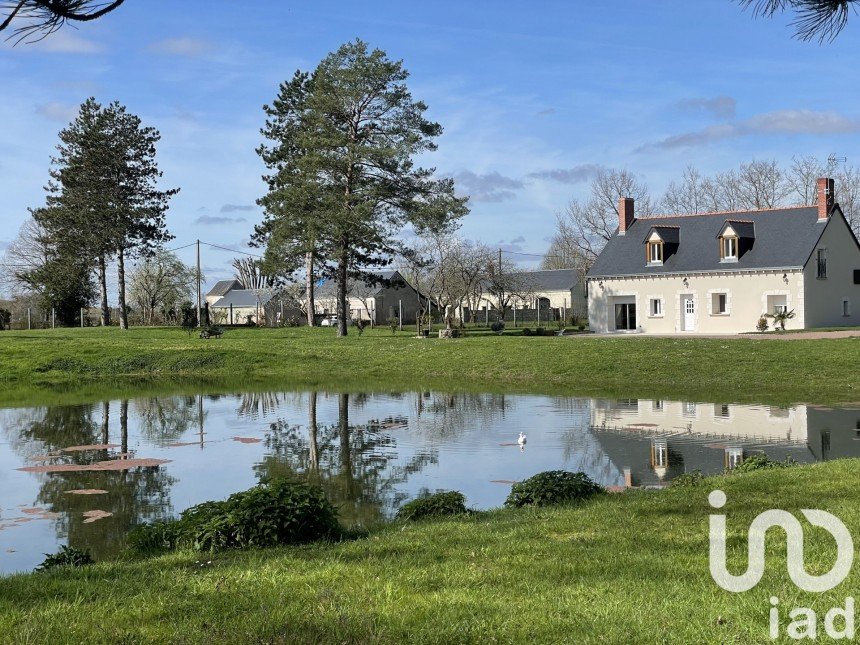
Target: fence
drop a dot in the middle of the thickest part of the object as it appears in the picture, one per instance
(520, 316)
(24, 318)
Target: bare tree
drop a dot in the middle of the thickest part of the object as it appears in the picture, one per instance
(416, 267)
(40, 18)
(761, 184)
(587, 226)
(800, 179)
(459, 268)
(27, 252)
(690, 195)
(249, 272)
(847, 181)
(160, 284)
(507, 286)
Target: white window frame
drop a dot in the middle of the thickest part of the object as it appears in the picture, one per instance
(658, 311)
(730, 248)
(655, 249)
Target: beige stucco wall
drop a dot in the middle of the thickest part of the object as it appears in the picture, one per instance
(747, 298)
(705, 419)
(824, 296)
(221, 315)
(571, 300)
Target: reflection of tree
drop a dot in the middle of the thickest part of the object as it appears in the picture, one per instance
(254, 404)
(353, 464)
(134, 496)
(445, 415)
(164, 419)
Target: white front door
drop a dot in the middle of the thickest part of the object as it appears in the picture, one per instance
(689, 306)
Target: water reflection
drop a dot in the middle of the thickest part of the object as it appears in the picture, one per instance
(369, 452)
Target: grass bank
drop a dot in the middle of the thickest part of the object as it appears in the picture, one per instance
(63, 363)
(627, 568)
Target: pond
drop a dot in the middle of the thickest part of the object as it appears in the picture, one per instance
(85, 474)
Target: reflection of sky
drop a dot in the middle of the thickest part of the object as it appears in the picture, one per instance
(466, 435)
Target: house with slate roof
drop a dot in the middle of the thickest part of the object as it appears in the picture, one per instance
(378, 300)
(221, 289)
(717, 273)
(562, 290)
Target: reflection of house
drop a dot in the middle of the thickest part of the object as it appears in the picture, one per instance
(378, 301)
(719, 272)
(657, 440)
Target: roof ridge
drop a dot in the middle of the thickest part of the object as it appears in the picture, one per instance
(749, 210)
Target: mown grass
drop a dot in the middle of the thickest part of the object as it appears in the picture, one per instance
(59, 364)
(628, 568)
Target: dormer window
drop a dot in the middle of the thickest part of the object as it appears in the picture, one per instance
(735, 238)
(660, 243)
(730, 248)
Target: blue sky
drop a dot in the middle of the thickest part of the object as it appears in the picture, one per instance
(533, 97)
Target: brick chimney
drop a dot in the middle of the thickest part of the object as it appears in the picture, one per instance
(625, 214)
(826, 197)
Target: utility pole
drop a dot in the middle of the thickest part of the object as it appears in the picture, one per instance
(501, 287)
(199, 292)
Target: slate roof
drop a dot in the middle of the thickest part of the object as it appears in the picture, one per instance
(223, 287)
(744, 228)
(784, 238)
(243, 298)
(553, 280)
(329, 289)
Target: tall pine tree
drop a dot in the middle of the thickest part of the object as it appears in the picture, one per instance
(348, 135)
(103, 197)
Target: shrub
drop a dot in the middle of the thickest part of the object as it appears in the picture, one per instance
(189, 317)
(581, 327)
(527, 331)
(65, 557)
(540, 331)
(5, 318)
(270, 514)
(762, 324)
(552, 487)
(690, 479)
(498, 327)
(761, 462)
(437, 505)
(393, 324)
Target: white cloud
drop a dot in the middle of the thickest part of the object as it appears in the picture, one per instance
(57, 111)
(490, 187)
(64, 41)
(778, 122)
(232, 208)
(574, 175)
(721, 107)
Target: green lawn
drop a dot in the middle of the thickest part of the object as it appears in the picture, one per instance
(623, 568)
(56, 365)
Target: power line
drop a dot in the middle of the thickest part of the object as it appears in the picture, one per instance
(224, 248)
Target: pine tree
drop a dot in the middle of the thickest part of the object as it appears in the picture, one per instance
(347, 173)
(103, 198)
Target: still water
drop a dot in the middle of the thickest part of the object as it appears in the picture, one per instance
(85, 474)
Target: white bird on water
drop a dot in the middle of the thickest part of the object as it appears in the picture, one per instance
(522, 439)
